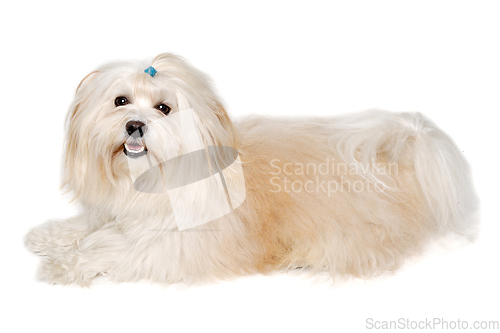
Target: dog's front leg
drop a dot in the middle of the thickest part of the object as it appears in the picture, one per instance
(94, 255)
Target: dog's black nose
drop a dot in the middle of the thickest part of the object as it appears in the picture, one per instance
(135, 128)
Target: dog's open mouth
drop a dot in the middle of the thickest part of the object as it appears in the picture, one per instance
(134, 148)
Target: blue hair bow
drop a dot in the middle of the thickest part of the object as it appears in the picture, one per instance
(150, 70)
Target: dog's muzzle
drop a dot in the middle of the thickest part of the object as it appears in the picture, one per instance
(135, 146)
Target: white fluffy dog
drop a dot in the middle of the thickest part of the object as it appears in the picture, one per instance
(172, 190)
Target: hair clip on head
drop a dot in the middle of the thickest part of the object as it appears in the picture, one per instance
(150, 70)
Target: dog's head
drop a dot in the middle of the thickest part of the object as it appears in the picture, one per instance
(122, 112)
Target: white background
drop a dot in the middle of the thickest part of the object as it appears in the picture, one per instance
(272, 58)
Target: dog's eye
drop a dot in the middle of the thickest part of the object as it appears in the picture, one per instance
(121, 100)
(164, 108)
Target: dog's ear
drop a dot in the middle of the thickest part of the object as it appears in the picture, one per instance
(227, 124)
(81, 87)
(86, 80)
(216, 127)
(74, 162)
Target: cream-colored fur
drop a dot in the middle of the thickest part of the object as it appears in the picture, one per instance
(352, 195)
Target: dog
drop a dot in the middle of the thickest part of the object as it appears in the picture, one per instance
(173, 190)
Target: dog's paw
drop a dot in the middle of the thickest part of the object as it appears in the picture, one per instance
(38, 240)
(53, 237)
(64, 269)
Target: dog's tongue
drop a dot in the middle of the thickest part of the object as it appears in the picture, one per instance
(134, 147)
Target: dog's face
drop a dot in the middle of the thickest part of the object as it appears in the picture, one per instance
(120, 114)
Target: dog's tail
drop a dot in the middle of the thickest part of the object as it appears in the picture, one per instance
(441, 169)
